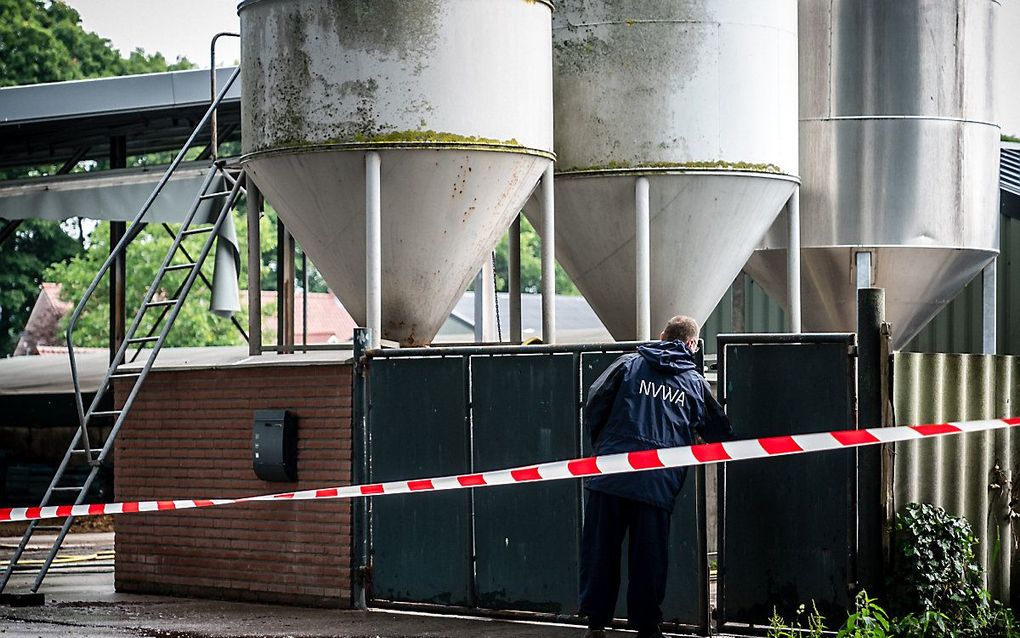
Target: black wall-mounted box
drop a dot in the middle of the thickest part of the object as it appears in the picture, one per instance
(274, 445)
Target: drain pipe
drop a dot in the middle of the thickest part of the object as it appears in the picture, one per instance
(548, 256)
(373, 247)
(793, 259)
(642, 246)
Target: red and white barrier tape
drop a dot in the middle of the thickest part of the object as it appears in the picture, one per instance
(703, 454)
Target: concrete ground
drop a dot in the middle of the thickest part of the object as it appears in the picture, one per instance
(80, 601)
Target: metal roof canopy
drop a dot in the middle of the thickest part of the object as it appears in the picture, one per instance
(56, 122)
(111, 195)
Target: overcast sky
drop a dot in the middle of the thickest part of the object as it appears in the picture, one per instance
(184, 28)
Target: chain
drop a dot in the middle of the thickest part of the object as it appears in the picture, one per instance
(495, 295)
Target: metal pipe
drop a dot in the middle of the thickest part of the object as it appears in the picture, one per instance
(870, 401)
(118, 273)
(373, 246)
(749, 338)
(989, 308)
(304, 300)
(863, 266)
(485, 303)
(793, 258)
(254, 213)
(494, 350)
(213, 126)
(361, 470)
(548, 256)
(514, 279)
(643, 254)
(284, 287)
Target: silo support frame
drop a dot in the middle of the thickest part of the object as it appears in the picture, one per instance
(989, 303)
(255, 205)
(514, 279)
(643, 252)
(548, 256)
(793, 259)
(373, 246)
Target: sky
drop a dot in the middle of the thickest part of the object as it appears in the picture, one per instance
(185, 27)
(175, 28)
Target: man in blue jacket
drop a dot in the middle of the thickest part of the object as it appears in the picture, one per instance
(654, 398)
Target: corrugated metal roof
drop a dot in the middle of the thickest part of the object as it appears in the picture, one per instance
(967, 475)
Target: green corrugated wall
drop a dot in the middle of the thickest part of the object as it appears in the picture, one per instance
(960, 473)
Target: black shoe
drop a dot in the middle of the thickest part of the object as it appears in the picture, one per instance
(595, 633)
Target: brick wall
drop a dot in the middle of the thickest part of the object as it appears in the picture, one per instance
(189, 435)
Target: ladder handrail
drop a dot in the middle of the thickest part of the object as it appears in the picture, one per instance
(132, 233)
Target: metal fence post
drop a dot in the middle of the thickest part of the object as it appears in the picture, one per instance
(360, 470)
(870, 510)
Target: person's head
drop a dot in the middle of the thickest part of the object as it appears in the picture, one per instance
(684, 329)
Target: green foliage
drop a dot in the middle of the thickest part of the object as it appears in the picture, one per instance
(868, 620)
(45, 42)
(935, 566)
(815, 624)
(195, 326)
(1010, 138)
(937, 588)
(35, 245)
(531, 264)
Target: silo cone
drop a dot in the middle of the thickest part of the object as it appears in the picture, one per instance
(454, 95)
(700, 98)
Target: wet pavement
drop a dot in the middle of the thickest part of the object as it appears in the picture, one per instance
(80, 601)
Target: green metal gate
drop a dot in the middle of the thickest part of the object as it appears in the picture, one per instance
(505, 549)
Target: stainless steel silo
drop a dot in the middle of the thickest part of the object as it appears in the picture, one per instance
(690, 106)
(455, 97)
(900, 158)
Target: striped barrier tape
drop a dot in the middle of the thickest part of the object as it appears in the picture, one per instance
(702, 454)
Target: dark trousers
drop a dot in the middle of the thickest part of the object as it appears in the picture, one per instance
(606, 520)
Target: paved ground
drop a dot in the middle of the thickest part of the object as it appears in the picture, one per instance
(80, 601)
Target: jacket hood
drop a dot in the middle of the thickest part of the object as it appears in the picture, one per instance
(672, 356)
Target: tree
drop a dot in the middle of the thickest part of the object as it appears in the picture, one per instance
(45, 42)
(194, 326)
(531, 264)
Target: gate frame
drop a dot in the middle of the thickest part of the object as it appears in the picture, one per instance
(362, 557)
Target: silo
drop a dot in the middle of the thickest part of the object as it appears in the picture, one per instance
(455, 97)
(692, 102)
(900, 159)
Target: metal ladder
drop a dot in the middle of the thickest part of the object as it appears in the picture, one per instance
(81, 448)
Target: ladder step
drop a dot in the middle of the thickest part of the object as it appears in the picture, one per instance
(216, 194)
(165, 302)
(126, 375)
(142, 339)
(196, 231)
(105, 413)
(68, 488)
(49, 528)
(187, 266)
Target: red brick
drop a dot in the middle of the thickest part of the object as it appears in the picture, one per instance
(189, 436)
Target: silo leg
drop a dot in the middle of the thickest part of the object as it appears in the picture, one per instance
(793, 259)
(373, 246)
(548, 257)
(642, 249)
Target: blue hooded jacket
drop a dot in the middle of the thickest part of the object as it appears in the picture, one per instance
(654, 398)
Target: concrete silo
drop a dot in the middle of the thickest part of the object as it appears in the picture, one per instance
(445, 104)
(900, 159)
(680, 115)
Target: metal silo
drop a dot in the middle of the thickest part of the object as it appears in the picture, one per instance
(449, 100)
(900, 159)
(688, 108)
